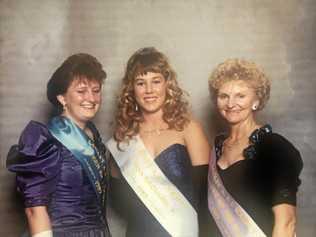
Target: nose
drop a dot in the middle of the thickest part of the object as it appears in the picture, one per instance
(149, 88)
(231, 102)
(92, 97)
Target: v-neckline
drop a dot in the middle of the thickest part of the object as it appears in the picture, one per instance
(231, 165)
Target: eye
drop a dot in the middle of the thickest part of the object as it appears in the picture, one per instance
(157, 81)
(222, 96)
(80, 91)
(139, 83)
(98, 90)
(241, 96)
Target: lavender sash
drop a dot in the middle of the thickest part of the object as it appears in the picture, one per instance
(231, 219)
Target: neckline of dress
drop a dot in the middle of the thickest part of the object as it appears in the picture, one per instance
(163, 151)
(249, 152)
(167, 149)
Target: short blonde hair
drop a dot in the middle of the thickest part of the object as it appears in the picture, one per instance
(240, 69)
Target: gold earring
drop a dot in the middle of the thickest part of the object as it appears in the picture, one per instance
(64, 107)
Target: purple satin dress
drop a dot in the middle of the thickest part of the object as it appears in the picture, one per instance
(49, 175)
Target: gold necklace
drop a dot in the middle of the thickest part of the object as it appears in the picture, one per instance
(156, 131)
(230, 145)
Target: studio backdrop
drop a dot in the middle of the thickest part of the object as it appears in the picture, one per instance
(196, 35)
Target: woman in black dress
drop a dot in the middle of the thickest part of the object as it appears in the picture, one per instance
(254, 173)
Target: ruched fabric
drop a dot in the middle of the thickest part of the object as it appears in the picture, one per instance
(48, 174)
(39, 165)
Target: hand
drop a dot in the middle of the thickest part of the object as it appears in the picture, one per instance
(47, 233)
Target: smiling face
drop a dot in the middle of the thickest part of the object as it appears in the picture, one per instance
(81, 101)
(235, 101)
(150, 92)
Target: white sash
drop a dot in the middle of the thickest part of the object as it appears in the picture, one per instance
(231, 219)
(165, 202)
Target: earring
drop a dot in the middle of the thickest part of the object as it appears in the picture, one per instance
(254, 107)
(64, 107)
(136, 107)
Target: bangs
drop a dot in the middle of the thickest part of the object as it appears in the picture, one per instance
(84, 78)
(143, 70)
(81, 78)
(88, 71)
(149, 63)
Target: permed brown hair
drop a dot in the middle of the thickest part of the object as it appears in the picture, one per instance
(175, 109)
(79, 65)
(240, 69)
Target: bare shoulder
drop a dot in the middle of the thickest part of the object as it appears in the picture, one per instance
(193, 128)
(196, 142)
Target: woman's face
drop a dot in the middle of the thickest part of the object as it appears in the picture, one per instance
(150, 92)
(235, 101)
(82, 100)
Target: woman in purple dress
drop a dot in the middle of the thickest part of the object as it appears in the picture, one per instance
(60, 167)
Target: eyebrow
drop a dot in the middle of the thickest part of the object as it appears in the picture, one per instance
(139, 79)
(157, 77)
(238, 93)
(86, 86)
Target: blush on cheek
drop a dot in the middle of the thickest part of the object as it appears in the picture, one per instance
(98, 98)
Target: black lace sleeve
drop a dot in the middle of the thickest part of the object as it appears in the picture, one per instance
(284, 165)
(218, 144)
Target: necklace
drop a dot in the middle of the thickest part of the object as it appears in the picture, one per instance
(238, 142)
(156, 131)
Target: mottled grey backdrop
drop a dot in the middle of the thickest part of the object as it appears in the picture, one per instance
(35, 36)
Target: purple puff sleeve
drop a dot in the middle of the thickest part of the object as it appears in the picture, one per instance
(38, 164)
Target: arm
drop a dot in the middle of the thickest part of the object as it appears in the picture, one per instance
(287, 165)
(199, 151)
(37, 167)
(284, 220)
(197, 144)
(118, 192)
(38, 220)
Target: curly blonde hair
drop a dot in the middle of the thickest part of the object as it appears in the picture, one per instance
(240, 69)
(175, 109)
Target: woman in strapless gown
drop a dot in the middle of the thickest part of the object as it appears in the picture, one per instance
(157, 150)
